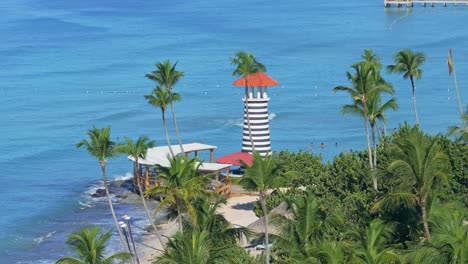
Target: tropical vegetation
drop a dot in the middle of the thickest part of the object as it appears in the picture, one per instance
(181, 182)
(161, 98)
(90, 246)
(100, 146)
(408, 63)
(409, 205)
(366, 94)
(166, 77)
(461, 131)
(138, 150)
(262, 176)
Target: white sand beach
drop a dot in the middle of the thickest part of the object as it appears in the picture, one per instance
(238, 211)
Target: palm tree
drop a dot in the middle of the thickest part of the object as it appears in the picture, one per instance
(461, 131)
(91, 248)
(162, 98)
(182, 182)
(364, 88)
(377, 112)
(333, 252)
(373, 61)
(195, 247)
(100, 146)
(246, 64)
(212, 239)
(409, 64)
(449, 236)
(450, 232)
(218, 228)
(375, 106)
(372, 242)
(167, 76)
(422, 168)
(137, 150)
(261, 176)
(303, 231)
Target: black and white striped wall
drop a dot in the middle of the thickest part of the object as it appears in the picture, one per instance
(259, 124)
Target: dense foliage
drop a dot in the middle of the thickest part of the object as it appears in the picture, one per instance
(403, 200)
(343, 188)
(90, 245)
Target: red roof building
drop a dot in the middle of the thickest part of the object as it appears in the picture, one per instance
(236, 158)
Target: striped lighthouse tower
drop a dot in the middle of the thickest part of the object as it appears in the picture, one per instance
(256, 113)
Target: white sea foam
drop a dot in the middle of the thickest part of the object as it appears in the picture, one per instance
(100, 184)
(125, 177)
(42, 238)
(93, 188)
(88, 201)
(86, 204)
(234, 122)
(39, 261)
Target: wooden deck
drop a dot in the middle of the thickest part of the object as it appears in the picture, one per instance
(223, 188)
(423, 3)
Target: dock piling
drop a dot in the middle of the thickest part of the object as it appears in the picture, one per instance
(424, 3)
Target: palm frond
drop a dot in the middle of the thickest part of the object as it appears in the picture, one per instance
(394, 201)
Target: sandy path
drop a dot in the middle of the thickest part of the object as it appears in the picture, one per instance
(238, 211)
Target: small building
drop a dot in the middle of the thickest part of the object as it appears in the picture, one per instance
(161, 156)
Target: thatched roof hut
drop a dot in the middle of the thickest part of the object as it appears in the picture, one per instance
(259, 225)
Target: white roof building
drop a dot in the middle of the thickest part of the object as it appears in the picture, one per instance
(161, 155)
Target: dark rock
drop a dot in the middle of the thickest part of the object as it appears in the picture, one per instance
(99, 193)
(122, 195)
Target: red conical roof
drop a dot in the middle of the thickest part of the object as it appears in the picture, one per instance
(256, 79)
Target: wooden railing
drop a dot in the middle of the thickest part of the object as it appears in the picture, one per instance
(225, 188)
(145, 183)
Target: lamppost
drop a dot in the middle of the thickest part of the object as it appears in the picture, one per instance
(127, 220)
(123, 226)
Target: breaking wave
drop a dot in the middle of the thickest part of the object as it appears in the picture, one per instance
(42, 238)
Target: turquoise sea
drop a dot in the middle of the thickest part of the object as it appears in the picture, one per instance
(68, 65)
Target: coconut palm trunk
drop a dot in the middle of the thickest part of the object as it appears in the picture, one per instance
(167, 134)
(414, 100)
(247, 113)
(143, 200)
(369, 151)
(179, 218)
(458, 99)
(423, 204)
(114, 217)
(176, 128)
(384, 129)
(374, 144)
(379, 130)
(265, 218)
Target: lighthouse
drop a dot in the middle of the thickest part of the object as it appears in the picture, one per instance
(256, 113)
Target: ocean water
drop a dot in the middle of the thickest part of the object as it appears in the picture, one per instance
(69, 65)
